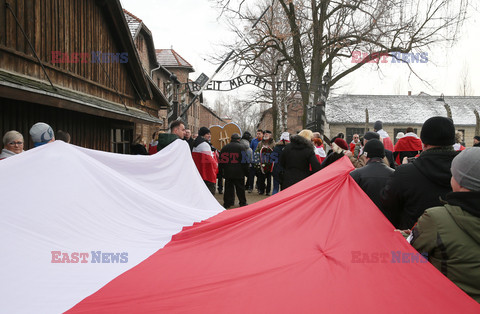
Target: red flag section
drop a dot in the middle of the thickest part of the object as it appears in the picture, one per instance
(207, 166)
(387, 143)
(320, 246)
(407, 144)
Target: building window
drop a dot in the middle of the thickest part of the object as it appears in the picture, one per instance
(351, 131)
(121, 141)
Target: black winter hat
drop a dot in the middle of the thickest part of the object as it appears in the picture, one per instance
(378, 125)
(371, 135)
(203, 130)
(438, 131)
(247, 136)
(374, 148)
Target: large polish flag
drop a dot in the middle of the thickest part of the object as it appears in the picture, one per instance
(61, 202)
(320, 246)
(205, 161)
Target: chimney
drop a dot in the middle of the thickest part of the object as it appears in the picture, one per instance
(409, 93)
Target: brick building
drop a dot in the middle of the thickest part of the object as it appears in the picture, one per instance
(347, 114)
(81, 74)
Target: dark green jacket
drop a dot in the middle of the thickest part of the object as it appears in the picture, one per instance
(164, 139)
(450, 234)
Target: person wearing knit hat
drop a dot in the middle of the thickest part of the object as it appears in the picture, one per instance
(378, 125)
(373, 177)
(41, 134)
(476, 141)
(419, 185)
(374, 149)
(339, 149)
(203, 131)
(438, 131)
(204, 159)
(341, 143)
(387, 142)
(371, 135)
(361, 161)
(450, 234)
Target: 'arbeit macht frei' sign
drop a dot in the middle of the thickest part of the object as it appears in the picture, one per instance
(249, 79)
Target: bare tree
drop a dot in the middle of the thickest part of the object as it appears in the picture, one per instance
(465, 86)
(340, 36)
(267, 64)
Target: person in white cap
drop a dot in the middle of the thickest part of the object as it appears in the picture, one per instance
(450, 234)
(41, 134)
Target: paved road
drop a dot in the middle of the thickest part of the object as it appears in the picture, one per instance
(251, 198)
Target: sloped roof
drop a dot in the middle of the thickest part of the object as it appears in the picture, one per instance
(40, 90)
(170, 58)
(134, 23)
(400, 109)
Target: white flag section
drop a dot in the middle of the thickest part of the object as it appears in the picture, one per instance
(73, 219)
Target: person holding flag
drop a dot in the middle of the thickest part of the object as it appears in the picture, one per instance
(407, 146)
(204, 160)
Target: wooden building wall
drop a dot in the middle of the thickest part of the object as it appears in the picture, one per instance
(68, 26)
(86, 130)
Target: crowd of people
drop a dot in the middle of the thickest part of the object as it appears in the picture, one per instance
(427, 186)
(41, 134)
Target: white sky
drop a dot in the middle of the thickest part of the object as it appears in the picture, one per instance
(192, 29)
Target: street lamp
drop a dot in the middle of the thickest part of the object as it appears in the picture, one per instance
(172, 115)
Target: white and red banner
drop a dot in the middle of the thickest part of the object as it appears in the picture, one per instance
(206, 164)
(73, 219)
(320, 246)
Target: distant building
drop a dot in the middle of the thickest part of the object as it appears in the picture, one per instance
(347, 114)
(198, 115)
(169, 72)
(101, 93)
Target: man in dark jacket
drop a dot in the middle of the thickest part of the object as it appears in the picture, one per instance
(416, 186)
(277, 171)
(373, 177)
(234, 171)
(298, 160)
(450, 234)
(188, 138)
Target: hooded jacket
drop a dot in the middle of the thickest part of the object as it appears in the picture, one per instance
(450, 234)
(416, 186)
(296, 160)
(164, 139)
